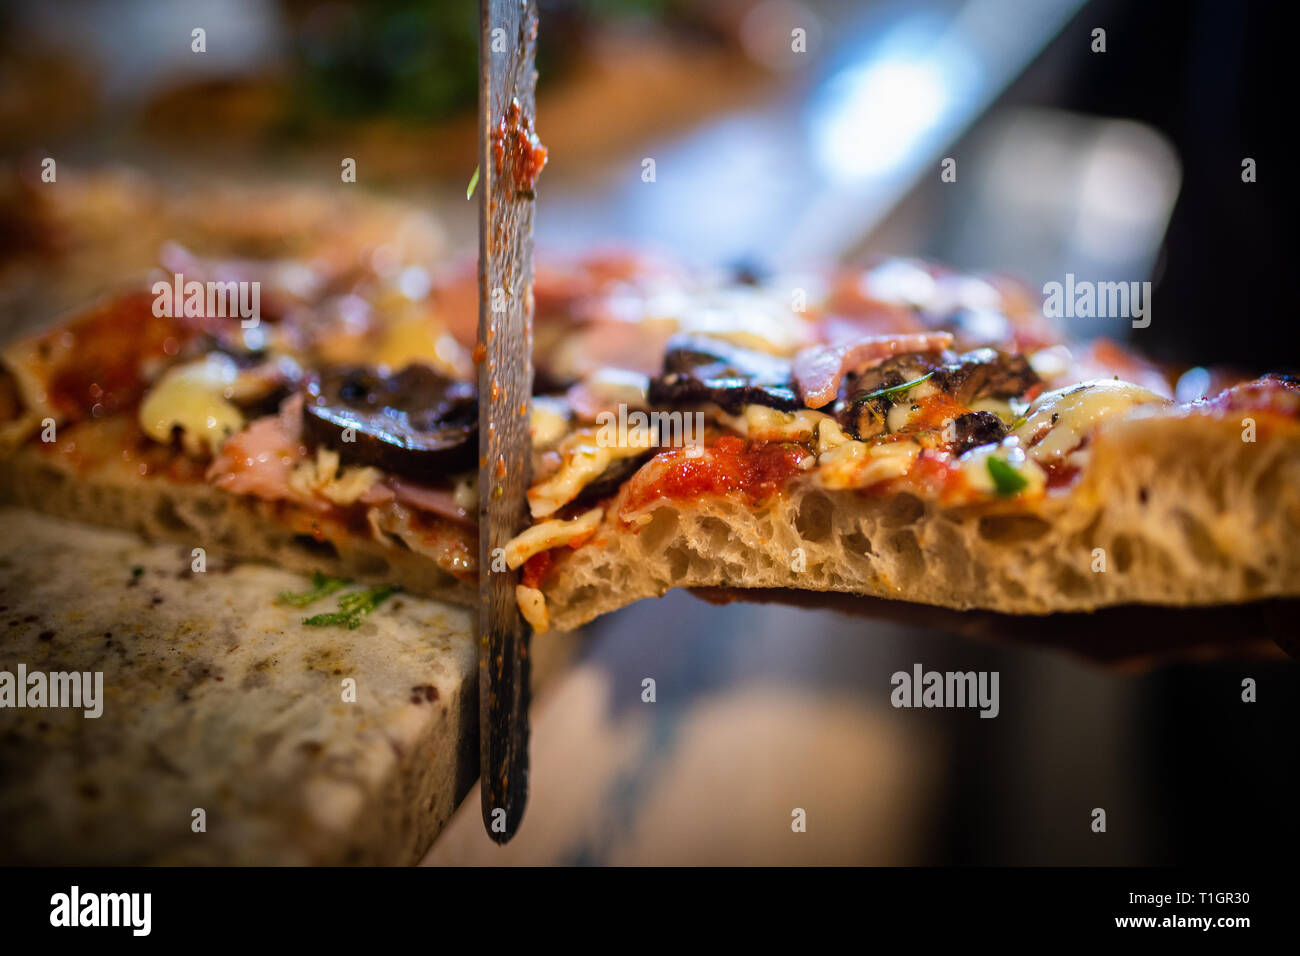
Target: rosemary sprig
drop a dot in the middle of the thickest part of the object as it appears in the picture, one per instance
(891, 390)
(321, 586)
(353, 608)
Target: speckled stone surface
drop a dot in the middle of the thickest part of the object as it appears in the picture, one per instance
(217, 698)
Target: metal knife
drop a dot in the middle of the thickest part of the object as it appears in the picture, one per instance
(508, 163)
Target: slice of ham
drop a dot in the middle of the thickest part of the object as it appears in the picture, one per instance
(819, 369)
(259, 460)
(1273, 393)
(437, 501)
(377, 494)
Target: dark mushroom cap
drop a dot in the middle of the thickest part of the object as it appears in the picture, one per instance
(415, 423)
(866, 396)
(976, 428)
(700, 369)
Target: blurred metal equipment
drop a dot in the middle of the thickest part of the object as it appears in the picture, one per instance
(870, 109)
(1052, 193)
(880, 121)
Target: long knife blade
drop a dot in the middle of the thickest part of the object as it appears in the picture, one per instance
(509, 159)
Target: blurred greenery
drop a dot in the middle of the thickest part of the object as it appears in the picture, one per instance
(416, 60)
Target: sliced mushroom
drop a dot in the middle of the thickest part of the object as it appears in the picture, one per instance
(611, 479)
(862, 411)
(983, 373)
(262, 385)
(700, 369)
(867, 396)
(977, 428)
(415, 423)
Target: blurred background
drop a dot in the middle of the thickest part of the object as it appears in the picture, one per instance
(787, 134)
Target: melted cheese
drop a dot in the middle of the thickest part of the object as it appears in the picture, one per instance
(412, 338)
(192, 397)
(830, 435)
(769, 424)
(584, 457)
(321, 477)
(975, 468)
(857, 464)
(532, 605)
(1060, 420)
(548, 422)
(909, 406)
(900, 415)
(545, 535)
(465, 492)
(1051, 363)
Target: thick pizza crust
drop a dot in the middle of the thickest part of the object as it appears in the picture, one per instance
(198, 515)
(1186, 512)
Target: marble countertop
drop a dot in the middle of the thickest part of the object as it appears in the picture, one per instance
(218, 699)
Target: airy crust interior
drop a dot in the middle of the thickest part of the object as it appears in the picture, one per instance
(200, 515)
(1186, 512)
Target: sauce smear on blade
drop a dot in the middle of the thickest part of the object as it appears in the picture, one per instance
(515, 140)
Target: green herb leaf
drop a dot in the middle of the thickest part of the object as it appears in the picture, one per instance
(473, 181)
(321, 586)
(1006, 479)
(353, 608)
(892, 390)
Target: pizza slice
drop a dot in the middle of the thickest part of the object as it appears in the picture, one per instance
(335, 434)
(912, 434)
(902, 432)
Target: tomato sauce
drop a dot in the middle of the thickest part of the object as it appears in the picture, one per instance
(96, 369)
(933, 475)
(1059, 474)
(933, 414)
(536, 568)
(731, 466)
(88, 446)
